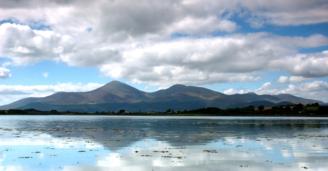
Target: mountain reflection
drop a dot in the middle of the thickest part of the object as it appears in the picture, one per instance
(118, 132)
(141, 143)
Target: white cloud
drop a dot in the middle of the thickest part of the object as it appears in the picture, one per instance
(283, 79)
(133, 40)
(10, 93)
(4, 73)
(305, 65)
(126, 17)
(265, 88)
(315, 40)
(291, 79)
(292, 12)
(313, 90)
(278, 12)
(204, 60)
(24, 45)
(154, 60)
(210, 24)
(295, 79)
(190, 60)
(235, 91)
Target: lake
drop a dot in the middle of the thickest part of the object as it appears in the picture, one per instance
(162, 143)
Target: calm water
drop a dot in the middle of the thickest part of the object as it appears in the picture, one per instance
(162, 143)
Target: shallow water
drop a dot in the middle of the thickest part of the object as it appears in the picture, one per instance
(162, 143)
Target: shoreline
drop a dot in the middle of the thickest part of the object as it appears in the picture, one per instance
(170, 115)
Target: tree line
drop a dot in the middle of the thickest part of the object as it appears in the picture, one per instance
(315, 110)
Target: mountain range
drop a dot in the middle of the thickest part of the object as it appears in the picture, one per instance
(116, 95)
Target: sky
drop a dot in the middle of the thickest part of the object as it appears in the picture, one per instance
(235, 46)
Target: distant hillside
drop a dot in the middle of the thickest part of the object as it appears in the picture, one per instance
(116, 95)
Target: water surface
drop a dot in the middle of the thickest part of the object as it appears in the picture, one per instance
(162, 143)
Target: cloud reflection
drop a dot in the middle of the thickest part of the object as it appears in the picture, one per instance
(106, 143)
(251, 155)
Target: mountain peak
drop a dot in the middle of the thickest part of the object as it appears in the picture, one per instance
(115, 85)
(175, 86)
(116, 95)
(179, 91)
(115, 82)
(119, 89)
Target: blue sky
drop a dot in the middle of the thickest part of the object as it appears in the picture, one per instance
(232, 47)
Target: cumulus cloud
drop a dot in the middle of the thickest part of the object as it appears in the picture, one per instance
(154, 60)
(294, 79)
(136, 18)
(305, 65)
(144, 17)
(133, 40)
(203, 25)
(22, 44)
(317, 88)
(192, 60)
(283, 79)
(266, 87)
(10, 93)
(315, 40)
(313, 89)
(4, 72)
(292, 12)
(279, 12)
(231, 91)
(206, 60)
(291, 79)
